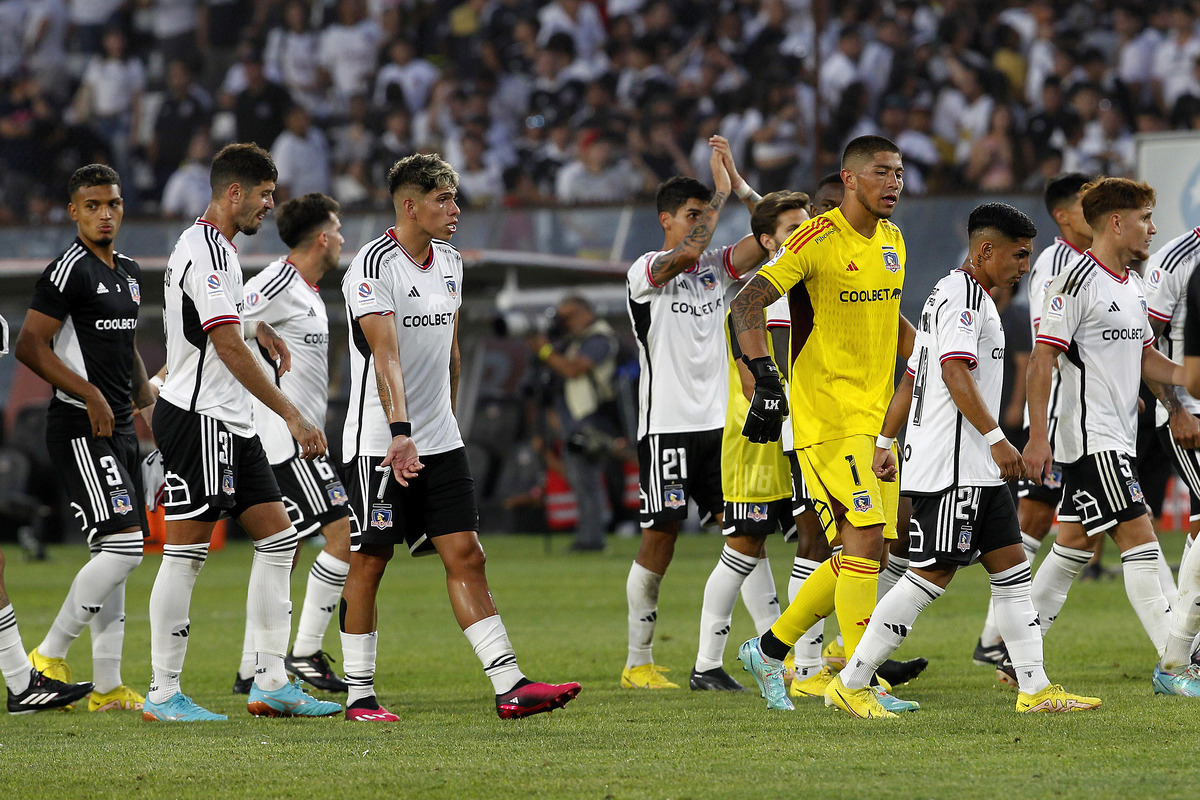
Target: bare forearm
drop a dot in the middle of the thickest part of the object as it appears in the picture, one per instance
(906, 337)
(142, 394)
(46, 364)
(455, 370)
(681, 257)
(747, 318)
(1157, 367)
(1037, 391)
(965, 394)
(242, 363)
(897, 412)
(389, 382)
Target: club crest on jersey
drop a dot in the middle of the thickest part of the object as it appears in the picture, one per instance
(337, 495)
(964, 540)
(214, 284)
(1055, 309)
(673, 497)
(758, 512)
(451, 286)
(1143, 306)
(366, 295)
(135, 292)
(862, 502)
(381, 516)
(227, 483)
(120, 503)
(891, 259)
(708, 281)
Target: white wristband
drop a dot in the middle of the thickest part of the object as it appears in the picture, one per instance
(156, 382)
(743, 191)
(884, 442)
(993, 436)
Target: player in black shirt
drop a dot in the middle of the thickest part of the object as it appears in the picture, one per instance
(79, 335)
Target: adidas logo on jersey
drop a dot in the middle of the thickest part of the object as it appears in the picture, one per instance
(1114, 307)
(852, 267)
(414, 292)
(101, 288)
(312, 313)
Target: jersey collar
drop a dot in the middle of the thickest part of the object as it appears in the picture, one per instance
(1118, 278)
(203, 221)
(291, 264)
(1065, 243)
(391, 232)
(972, 277)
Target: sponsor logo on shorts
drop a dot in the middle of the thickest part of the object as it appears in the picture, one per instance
(862, 502)
(381, 516)
(891, 259)
(120, 503)
(964, 540)
(337, 495)
(227, 483)
(758, 512)
(674, 497)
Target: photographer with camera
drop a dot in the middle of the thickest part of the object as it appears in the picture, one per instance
(584, 362)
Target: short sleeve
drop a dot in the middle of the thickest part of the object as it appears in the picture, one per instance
(1061, 314)
(789, 266)
(260, 307)
(368, 295)
(778, 314)
(51, 299)
(641, 285)
(213, 293)
(958, 330)
(1163, 290)
(1191, 325)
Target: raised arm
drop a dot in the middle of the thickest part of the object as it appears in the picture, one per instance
(683, 256)
(380, 333)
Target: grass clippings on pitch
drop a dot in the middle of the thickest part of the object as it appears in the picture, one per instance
(566, 616)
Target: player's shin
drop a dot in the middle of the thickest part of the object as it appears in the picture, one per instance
(1053, 580)
(170, 600)
(814, 601)
(760, 597)
(641, 593)
(1142, 586)
(1017, 621)
(891, 622)
(716, 614)
(116, 557)
(854, 597)
(1185, 615)
(268, 608)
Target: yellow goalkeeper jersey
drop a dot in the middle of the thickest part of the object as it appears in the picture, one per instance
(844, 293)
(750, 473)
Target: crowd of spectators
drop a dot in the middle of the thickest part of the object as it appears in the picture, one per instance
(579, 101)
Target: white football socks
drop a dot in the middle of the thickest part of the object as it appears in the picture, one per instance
(117, 556)
(268, 607)
(321, 595)
(760, 597)
(1185, 614)
(170, 600)
(14, 666)
(490, 641)
(641, 593)
(716, 614)
(1142, 586)
(891, 622)
(1018, 624)
(358, 657)
(1053, 581)
(889, 575)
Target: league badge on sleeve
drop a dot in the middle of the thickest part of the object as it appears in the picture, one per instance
(253, 298)
(891, 259)
(1054, 309)
(1155, 277)
(214, 285)
(366, 295)
(966, 322)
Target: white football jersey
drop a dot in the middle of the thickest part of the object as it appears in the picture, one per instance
(423, 301)
(203, 288)
(1097, 318)
(681, 343)
(1048, 265)
(941, 448)
(1167, 274)
(281, 297)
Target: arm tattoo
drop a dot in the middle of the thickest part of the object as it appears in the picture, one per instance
(669, 264)
(746, 310)
(140, 385)
(385, 393)
(1167, 394)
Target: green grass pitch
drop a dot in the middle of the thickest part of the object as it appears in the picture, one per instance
(566, 617)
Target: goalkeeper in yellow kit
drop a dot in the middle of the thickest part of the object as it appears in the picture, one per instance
(843, 273)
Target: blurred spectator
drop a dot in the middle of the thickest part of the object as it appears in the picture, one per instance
(301, 154)
(579, 19)
(89, 20)
(260, 107)
(292, 58)
(655, 150)
(597, 175)
(998, 159)
(188, 190)
(394, 144)
(921, 155)
(1109, 143)
(349, 49)
(177, 30)
(404, 79)
(109, 99)
(184, 111)
(1137, 44)
(481, 184)
(354, 146)
(840, 69)
(44, 46)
